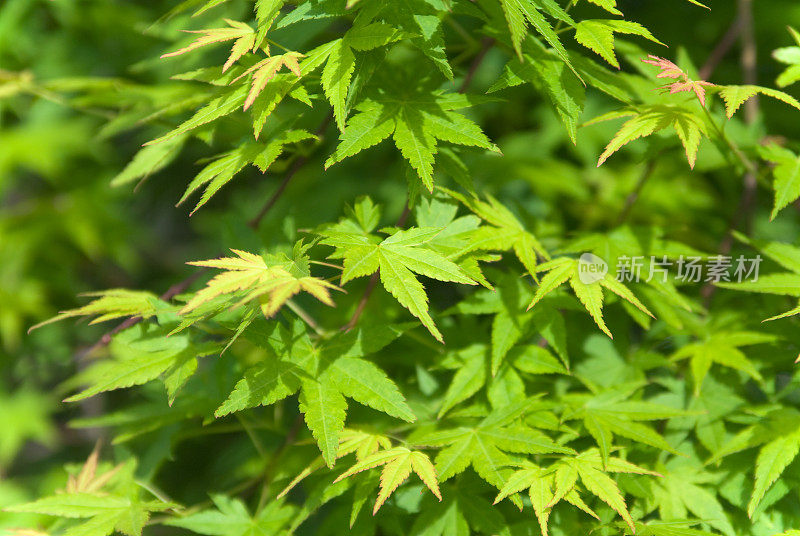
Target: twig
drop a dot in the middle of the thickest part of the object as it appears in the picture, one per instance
(269, 471)
(305, 317)
(723, 47)
(295, 167)
(486, 44)
(749, 57)
(647, 172)
(171, 292)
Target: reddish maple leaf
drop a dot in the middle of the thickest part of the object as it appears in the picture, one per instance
(670, 70)
(698, 86)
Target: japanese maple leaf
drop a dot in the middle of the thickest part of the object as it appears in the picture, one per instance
(241, 34)
(698, 86)
(548, 486)
(273, 282)
(266, 69)
(398, 463)
(88, 481)
(670, 70)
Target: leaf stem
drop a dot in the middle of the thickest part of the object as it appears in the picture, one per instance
(305, 317)
(296, 166)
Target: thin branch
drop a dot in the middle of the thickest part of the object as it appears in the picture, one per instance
(486, 44)
(749, 57)
(647, 172)
(171, 292)
(296, 166)
(269, 471)
(305, 317)
(723, 47)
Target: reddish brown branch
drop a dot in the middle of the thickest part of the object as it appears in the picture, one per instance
(171, 292)
(486, 44)
(295, 167)
(722, 49)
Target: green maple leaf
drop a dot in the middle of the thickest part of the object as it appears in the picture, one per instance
(422, 22)
(608, 5)
(338, 72)
(547, 487)
(325, 373)
(461, 511)
(118, 506)
(789, 56)
(598, 35)
(357, 442)
(149, 160)
(227, 101)
(548, 73)
(511, 324)
(485, 445)
(221, 170)
(142, 354)
(520, 14)
(110, 305)
(398, 258)
(647, 120)
(781, 283)
(681, 490)
(612, 413)
(505, 384)
(398, 463)
(564, 269)
(665, 528)
(778, 435)
(722, 348)
(231, 518)
(735, 96)
(417, 117)
(504, 233)
(787, 175)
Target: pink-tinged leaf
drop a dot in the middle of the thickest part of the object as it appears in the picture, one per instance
(668, 69)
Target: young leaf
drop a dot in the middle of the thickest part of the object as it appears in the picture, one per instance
(110, 305)
(240, 33)
(273, 281)
(398, 463)
(653, 118)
